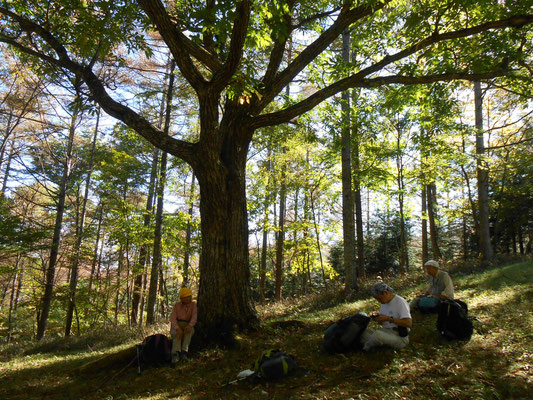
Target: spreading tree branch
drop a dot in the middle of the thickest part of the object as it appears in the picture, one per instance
(359, 79)
(180, 46)
(346, 17)
(176, 147)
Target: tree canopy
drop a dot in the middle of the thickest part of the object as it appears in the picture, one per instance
(237, 59)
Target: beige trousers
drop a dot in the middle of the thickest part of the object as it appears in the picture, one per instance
(181, 344)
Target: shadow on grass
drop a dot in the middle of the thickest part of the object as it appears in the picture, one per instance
(487, 367)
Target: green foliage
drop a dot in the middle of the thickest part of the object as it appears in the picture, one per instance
(16, 234)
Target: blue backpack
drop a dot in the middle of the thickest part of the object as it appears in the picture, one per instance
(427, 305)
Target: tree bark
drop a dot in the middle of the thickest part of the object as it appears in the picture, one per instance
(425, 250)
(75, 266)
(266, 206)
(157, 259)
(348, 217)
(8, 169)
(139, 269)
(280, 236)
(357, 195)
(54, 251)
(404, 255)
(433, 233)
(224, 299)
(188, 233)
(485, 246)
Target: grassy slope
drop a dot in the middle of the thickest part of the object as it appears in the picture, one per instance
(496, 364)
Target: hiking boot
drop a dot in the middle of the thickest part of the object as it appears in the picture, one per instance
(175, 358)
(184, 356)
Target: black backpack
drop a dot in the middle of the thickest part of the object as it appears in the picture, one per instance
(453, 322)
(343, 336)
(273, 365)
(154, 351)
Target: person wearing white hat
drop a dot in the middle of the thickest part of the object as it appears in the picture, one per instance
(440, 284)
(182, 320)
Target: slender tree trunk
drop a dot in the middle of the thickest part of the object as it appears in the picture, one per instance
(425, 251)
(348, 217)
(119, 281)
(464, 230)
(266, 206)
(7, 133)
(19, 286)
(156, 262)
(485, 246)
(75, 266)
(431, 197)
(317, 235)
(13, 300)
(96, 247)
(404, 256)
(358, 205)
(188, 234)
(280, 238)
(8, 169)
(60, 209)
(139, 269)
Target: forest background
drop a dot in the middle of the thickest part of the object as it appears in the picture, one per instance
(99, 228)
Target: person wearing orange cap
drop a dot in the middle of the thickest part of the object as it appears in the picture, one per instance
(182, 320)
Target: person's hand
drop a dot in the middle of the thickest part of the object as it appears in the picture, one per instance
(188, 329)
(381, 318)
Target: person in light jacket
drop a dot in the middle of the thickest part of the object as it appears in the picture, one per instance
(182, 320)
(440, 284)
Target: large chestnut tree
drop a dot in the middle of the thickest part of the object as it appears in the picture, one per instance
(233, 53)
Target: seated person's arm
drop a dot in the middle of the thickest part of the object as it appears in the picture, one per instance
(448, 289)
(406, 322)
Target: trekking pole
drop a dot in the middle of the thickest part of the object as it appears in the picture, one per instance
(237, 380)
(138, 361)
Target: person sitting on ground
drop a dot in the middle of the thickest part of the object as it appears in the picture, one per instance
(440, 284)
(394, 317)
(182, 321)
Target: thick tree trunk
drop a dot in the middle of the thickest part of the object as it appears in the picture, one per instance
(485, 246)
(224, 299)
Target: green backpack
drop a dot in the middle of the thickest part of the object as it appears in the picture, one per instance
(273, 365)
